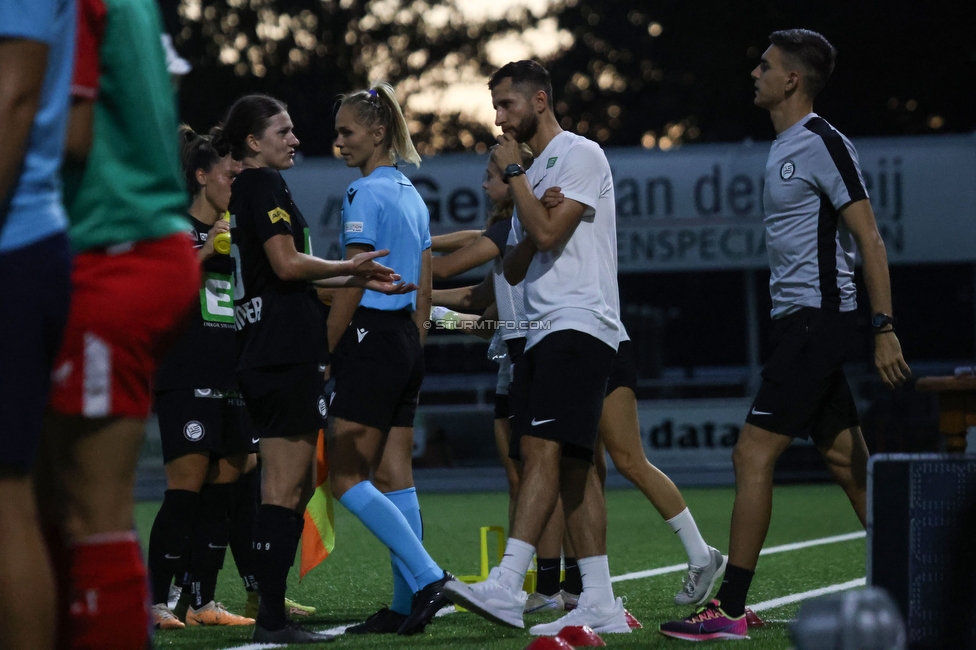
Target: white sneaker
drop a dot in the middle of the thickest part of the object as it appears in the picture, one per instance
(489, 599)
(701, 580)
(612, 620)
(538, 603)
(569, 600)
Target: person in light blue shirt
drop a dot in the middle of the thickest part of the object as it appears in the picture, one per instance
(384, 210)
(378, 360)
(36, 55)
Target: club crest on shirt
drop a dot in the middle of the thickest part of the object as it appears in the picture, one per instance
(786, 171)
(278, 214)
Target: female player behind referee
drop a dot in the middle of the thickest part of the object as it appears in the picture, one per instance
(202, 423)
(379, 361)
(281, 349)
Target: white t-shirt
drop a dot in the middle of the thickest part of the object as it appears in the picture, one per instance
(574, 286)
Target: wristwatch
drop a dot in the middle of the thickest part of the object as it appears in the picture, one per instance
(512, 171)
(882, 320)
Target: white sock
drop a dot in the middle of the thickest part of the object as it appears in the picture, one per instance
(515, 563)
(684, 525)
(595, 572)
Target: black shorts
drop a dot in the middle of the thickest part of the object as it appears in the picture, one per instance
(200, 420)
(35, 293)
(378, 367)
(502, 409)
(285, 401)
(624, 371)
(804, 391)
(558, 390)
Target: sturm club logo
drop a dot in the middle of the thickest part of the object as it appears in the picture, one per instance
(786, 171)
(323, 409)
(193, 431)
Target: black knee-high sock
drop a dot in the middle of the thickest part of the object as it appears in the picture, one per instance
(574, 581)
(169, 540)
(242, 526)
(276, 535)
(547, 575)
(210, 539)
(735, 587)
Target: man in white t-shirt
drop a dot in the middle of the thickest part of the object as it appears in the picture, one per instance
(568, 257)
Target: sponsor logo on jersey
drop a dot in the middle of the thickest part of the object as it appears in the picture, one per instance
(193, 431)
(351, 194)
(323, 409)
(354, 226)
(278, 214)
(552, 161)
(786, 171)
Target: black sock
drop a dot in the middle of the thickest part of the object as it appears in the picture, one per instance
(276, 536)
(735, 587)
(574, 581)
(242, 527)
(210, 539)
(169, 540)
(547, 575)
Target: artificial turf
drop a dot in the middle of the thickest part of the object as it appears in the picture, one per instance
(355, 580)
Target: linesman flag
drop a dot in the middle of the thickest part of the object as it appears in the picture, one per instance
(318, 536)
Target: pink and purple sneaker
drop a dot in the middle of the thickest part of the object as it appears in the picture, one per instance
(708, 622)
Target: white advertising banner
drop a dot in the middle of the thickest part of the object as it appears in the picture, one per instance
(691, 433)
(700, 206)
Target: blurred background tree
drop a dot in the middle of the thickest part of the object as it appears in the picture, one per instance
(657, 74)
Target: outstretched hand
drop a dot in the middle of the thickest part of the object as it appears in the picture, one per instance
(364, 265)
(390, 288)
(889, 361)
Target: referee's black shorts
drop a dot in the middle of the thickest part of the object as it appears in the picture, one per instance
(378, 367)
(558, 390)
(804, 391)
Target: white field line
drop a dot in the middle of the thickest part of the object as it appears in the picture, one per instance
(675, 568)
(784, 548)
(813, 593)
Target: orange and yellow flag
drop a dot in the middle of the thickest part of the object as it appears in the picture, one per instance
(318, 536)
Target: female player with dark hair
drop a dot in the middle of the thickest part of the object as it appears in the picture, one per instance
(202, 421)
(281, 340)
(379, 361)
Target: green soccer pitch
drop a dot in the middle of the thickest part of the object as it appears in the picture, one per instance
(355, 580)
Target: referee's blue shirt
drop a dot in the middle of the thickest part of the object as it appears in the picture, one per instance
(384, 210)
(32, 209)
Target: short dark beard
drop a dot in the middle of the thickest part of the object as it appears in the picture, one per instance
(527, 127)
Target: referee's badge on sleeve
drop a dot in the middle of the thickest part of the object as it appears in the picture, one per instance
(354, 226)
(786, 171)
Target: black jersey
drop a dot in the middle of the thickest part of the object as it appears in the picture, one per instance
(205, 355)
(278, 322)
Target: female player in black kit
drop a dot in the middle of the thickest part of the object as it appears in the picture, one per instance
(203, 426)
(281, 340)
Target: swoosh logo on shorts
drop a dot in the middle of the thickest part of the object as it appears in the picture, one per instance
(536, 423)
(755, 412)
